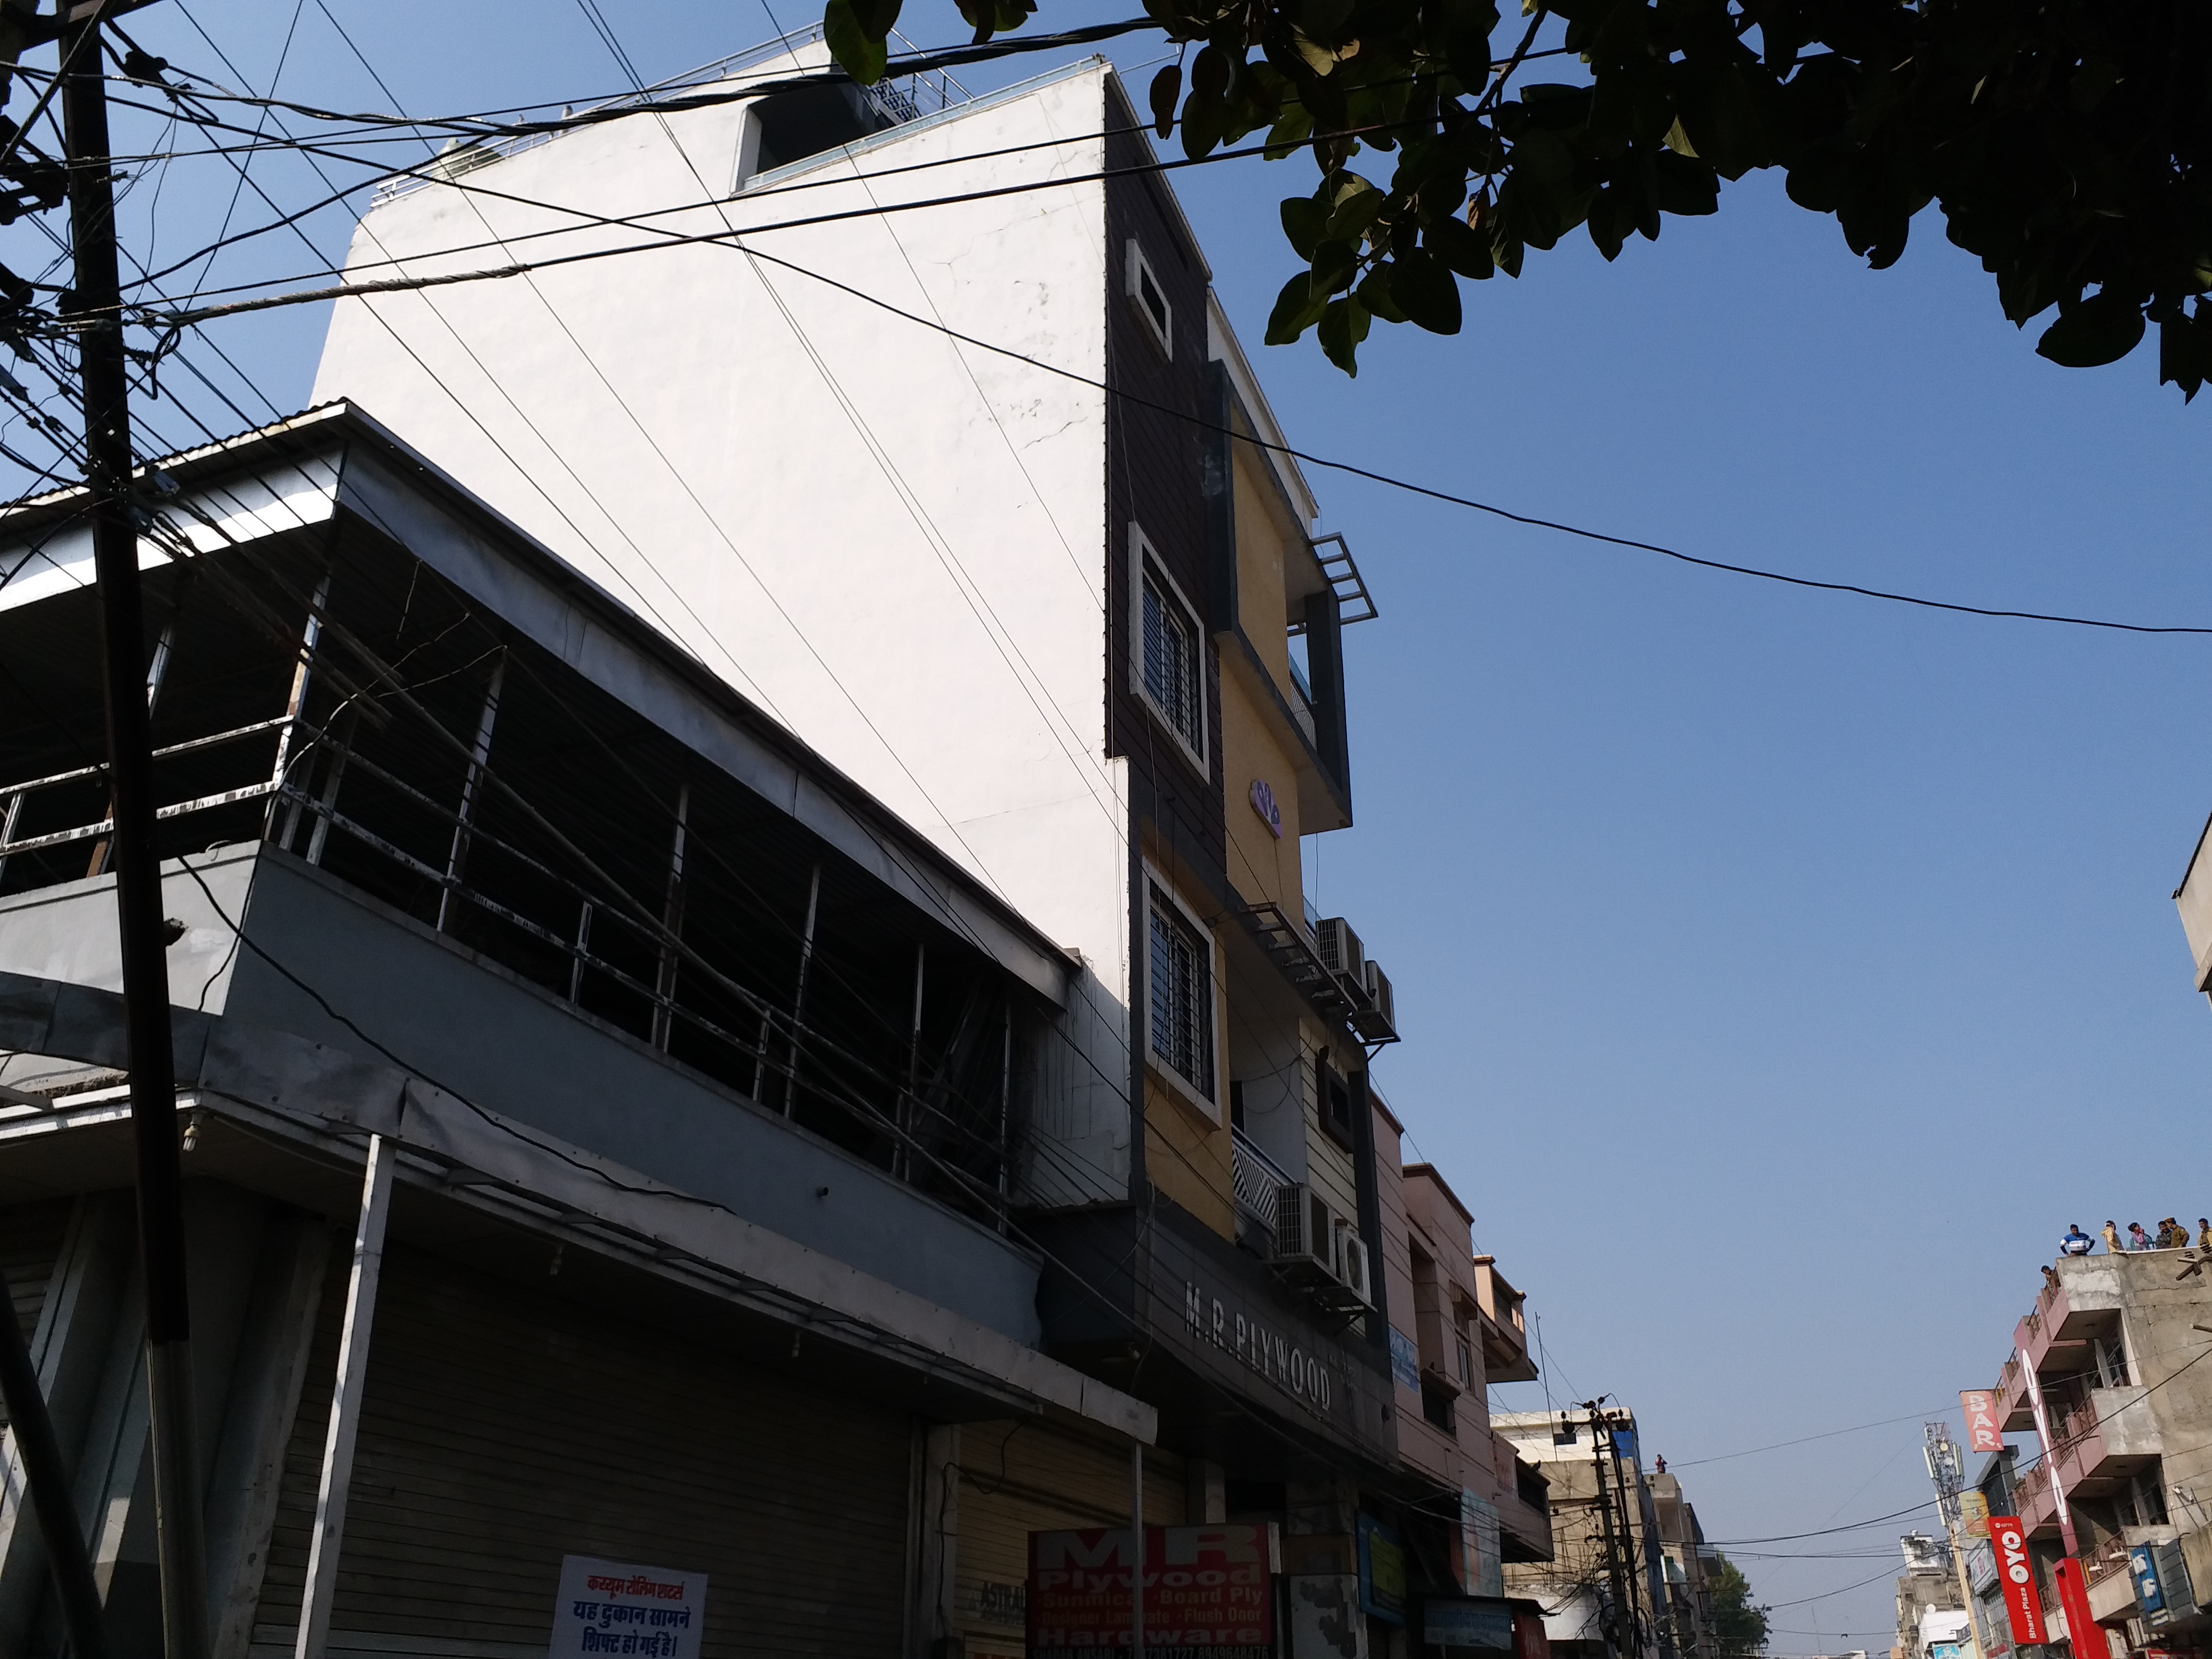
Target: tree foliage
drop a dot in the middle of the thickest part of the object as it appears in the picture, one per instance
(1739, 1627)
(2065, 141)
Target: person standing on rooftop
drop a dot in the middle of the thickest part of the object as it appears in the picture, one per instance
(2138, 1238)
(2075, 1242)
(2112, 1239)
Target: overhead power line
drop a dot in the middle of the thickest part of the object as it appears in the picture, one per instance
(174, 321)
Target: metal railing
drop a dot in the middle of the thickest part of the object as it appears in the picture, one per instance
(1261, 1185)
(898, 100)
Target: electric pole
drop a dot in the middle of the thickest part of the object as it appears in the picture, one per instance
(1624, 1617)
(104, 373)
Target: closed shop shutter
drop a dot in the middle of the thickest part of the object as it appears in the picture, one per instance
(30, 1243)
(1026, 1476)
(503, 1428)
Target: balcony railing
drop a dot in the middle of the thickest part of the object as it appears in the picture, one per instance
(1261, 1187)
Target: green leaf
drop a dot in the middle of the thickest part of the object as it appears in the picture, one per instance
(1304, 223)
(857, 54)
(2102, 329)
(877, 18)
(1462, 249)
(1297, 308)
(1343, 327)
(1334, 264)
(1426, 292)
(1355, 209)
(1374, 293)
(1167, 88)
(2184, 352)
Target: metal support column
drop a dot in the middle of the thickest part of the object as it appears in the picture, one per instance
(329, 1534)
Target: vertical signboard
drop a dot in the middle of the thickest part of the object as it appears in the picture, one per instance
(610, 1606)
(1481, 1561)
(1382, 1572)
(1209, 1592)
(1979, 1406)
(2016, 1574)
(1974, 1513)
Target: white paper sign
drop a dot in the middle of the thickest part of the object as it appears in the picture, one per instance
(612, 1607)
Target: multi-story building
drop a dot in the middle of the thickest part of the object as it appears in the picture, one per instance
(1686, 1558)
(2103, 1374)
(1928, 1609)
(759, 839)
(599, 1114)
(1456, 1326)
(961, 475)
(1992, 1626)
(1605, 1590)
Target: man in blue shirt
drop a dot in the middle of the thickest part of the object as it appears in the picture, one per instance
(2076, 1243)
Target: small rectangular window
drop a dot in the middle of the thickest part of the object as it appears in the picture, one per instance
(1181, 996)
(1150, 301)
(1171, 679)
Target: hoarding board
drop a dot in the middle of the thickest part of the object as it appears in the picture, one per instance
(2016, 1574)
(613, 1607)
(1974, 1512)
(1476, 1623)
(1979, 1406)
(1209, 1592)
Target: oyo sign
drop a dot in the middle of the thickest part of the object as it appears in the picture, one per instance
(2016, 1574)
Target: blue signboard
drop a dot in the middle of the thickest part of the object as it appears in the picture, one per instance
(1477, 1622)
(2149, 1596)
(1405, 1361)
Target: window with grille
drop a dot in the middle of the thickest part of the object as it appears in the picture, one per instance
(1170, 659)
(1182, 995)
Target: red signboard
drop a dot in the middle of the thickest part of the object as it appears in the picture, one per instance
(1982, 1432)
(2082, 1630)
(1530, 1639)
(2023, 1602)
(1209, 1592)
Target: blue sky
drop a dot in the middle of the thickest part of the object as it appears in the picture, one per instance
(1781, 971)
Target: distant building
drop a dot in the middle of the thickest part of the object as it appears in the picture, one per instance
(1929, 1585)
(1605, 1590)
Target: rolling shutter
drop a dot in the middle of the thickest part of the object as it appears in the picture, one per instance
(503, 1428)
(1026, 1476)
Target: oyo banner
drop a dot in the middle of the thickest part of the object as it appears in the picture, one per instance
(2016, 1575)
(1982, 1432)
(1209, 1592)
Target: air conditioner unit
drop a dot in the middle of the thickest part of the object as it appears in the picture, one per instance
(1351, 1256)
(1305, 1229)
(1339, 949)
(1377, 1022)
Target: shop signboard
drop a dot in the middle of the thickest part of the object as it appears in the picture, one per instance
(2016, 1574)
(1382, 1572)
(1974, 1513)
(1983, 1433)
(1479, 1624)
(1481, 1567)
(612, 1607)
(1530, 1639)
(1209, 1592)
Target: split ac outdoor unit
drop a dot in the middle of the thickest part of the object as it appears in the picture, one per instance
(1306, 1230)
(1377, 1022)
(1322, 1253)
(1352, 1255)
(1339, 949)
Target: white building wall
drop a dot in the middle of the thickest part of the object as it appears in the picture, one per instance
(893, 542)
